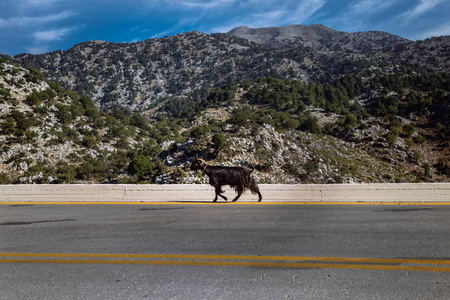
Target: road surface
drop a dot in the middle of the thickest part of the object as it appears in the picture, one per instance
(225, 251)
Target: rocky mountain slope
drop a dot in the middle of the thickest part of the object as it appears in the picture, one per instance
(286, 129)
(140, 74)
(432, 54)
(51, 135)
(143, 74)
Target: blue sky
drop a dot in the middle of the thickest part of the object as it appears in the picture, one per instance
(39, 26)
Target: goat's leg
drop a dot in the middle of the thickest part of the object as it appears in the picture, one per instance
(256, 191)
(239, 190)
(218, 193)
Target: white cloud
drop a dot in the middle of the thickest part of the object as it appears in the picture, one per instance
(42, 2)
(3, 23)
(265, 19)
(368, 7)
(423, 7)
(26, 22)
(188, 4)
(203, 4)
(357, 15)
(161, 34)
(54, 34)
(443, 29)
(303, 11)
(272, 13)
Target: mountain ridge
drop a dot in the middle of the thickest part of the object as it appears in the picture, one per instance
(318, 35)
(139, 75)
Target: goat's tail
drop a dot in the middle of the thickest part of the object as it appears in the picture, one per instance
(251, 169)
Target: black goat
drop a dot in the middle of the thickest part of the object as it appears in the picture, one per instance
(236, 177)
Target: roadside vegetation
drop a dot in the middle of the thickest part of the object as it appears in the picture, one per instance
(394, 114)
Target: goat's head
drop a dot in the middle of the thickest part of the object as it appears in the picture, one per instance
(197, 164)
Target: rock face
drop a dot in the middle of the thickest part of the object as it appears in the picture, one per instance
(318, 36)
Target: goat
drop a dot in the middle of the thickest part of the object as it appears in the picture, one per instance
(236, 177)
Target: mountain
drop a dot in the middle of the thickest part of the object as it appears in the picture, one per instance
(137, 75)
(432, 54)
(302, 104)
(386, 125)
(141, 75)
(318, 36)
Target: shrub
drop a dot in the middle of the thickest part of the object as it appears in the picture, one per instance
(178, 173)
(66, 174)
(5, 179)
(139, 121)
(391, 138)
(263, 154)
(30, 135)
(89, 141)
(19, 132)
(311, 166)
(264, 167)
(85, 171)
(215, 124)
(443, 165)
(200, 132)
(290, 169)
(427, 169)
(86, 102)
(311, 124)
(34, 99)
(26, 123)
(221, 143)
(64, 114)
(417, 155)
(291, 124)
(34, 75)
(350, 119)
(408, 130)
(9, 126)
(240, 117)
(395, 131)
(4, 95)
(139, 166)
(122, 143)
(418, 139)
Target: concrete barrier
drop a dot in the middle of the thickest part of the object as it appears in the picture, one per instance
(374, 192)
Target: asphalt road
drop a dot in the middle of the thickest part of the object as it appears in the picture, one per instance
(231, 251)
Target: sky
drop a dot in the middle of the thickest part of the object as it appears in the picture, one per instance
(40, 26)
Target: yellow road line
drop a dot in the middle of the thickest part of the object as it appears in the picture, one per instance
(234, 257)
(211, 203)
(429, 265)
(232, 263)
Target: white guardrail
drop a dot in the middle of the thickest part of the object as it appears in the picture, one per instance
(374, 192)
